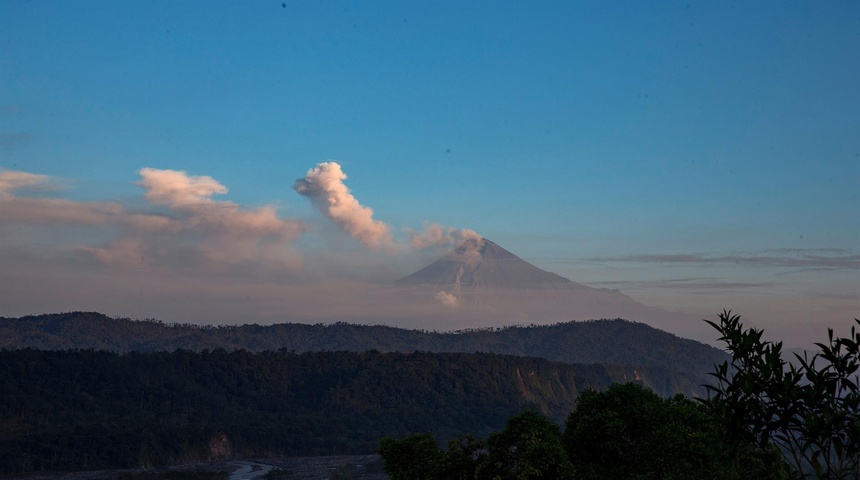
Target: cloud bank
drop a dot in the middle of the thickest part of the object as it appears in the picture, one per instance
(195, 229)
(229, 233)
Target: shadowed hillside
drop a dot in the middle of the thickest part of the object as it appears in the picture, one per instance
(84, 409)
(600, 341)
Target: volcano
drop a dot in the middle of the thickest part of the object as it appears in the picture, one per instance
(483, 282)
(479, 269)
(477, 264)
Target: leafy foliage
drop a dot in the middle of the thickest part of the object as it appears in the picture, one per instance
(461, 460)
(809, 409)
(629, 432)
(529, 448)
(414, 458)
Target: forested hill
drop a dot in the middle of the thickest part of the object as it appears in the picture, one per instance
(67, 410)
(599, 341)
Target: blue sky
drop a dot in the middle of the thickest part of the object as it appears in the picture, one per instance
(696, 155)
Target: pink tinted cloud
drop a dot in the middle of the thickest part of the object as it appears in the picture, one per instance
(190, 195)
(178, 189)
(47, 211)
(324, 186)
(12, 180)
(218, 232)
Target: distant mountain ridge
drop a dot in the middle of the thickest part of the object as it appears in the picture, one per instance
(593, 342)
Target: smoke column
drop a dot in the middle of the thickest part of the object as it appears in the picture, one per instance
(324, 186)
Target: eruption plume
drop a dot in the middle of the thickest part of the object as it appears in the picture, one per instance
(324, 186)
(435, 235)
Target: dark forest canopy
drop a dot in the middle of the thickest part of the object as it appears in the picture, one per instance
(598, 341)
(624, 432)
(66, 410)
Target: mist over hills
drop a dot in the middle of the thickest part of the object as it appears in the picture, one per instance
(495, 289)
(600, 341)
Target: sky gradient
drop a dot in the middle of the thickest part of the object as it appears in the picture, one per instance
(695, 155)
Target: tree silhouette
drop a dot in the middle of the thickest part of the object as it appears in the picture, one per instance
(808, 409)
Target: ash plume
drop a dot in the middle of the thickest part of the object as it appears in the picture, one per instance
(435, 235)
(324, 186)
(448, 299)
